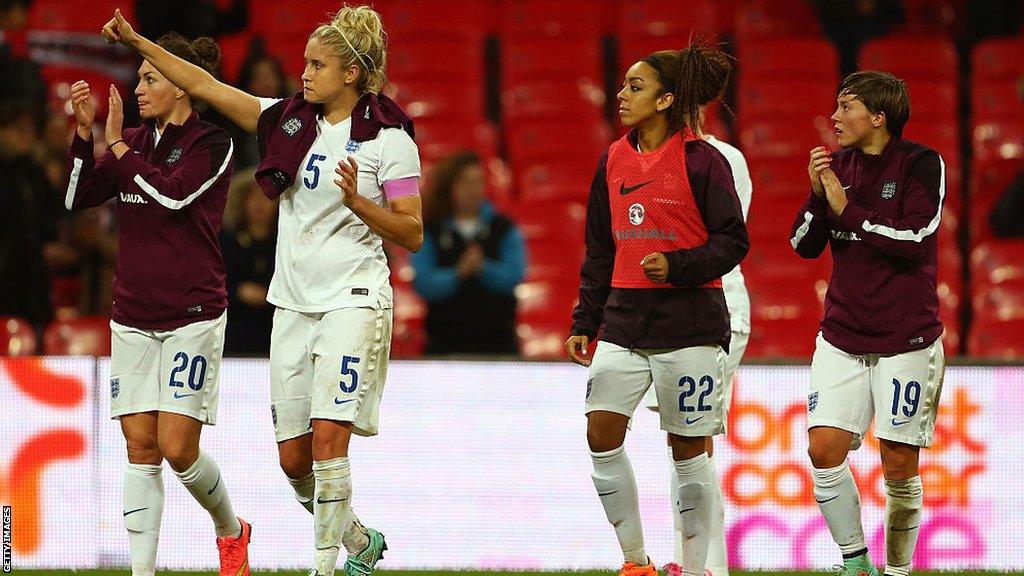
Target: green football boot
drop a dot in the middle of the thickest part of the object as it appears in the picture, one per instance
(362, 563)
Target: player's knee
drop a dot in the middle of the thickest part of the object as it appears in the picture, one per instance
(180, 455)
(144, 451)
(686, 447)
(824, 456)
(295, 466)
(601, 440)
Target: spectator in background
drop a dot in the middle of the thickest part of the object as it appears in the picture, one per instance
(21, 82)
(28, 217)
(1007, 216)
(471, 261)
(248, 241)
(191, 18)
(850, 23)
(261, 75)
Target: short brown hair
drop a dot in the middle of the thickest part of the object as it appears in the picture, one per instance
(880, 92)
(438, 198)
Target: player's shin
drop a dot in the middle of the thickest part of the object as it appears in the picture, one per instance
(903, 503)
(839, 501)
(204, 482)
(332, 511)
(143, 508)
(677, 522)
(616, 487)
(694, 509)
(303, 488)
(718, 557)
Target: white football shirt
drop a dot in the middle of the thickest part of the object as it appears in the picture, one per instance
(327, 258)
(736, 297)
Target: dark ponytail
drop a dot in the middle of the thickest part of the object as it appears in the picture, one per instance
(696, 76)
(202, 52)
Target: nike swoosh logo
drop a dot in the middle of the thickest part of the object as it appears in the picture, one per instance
(179, 395)
(607, 493)
(320, 500)
(215, 484)
(686, 510)
(898, 424)
(688, 421)
(136, 510)
(895, 529)
(623, 189)
(826, 501)
(340, 401)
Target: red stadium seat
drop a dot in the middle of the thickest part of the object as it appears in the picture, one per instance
(553, 98)
(275, 19)
(439, 98)
(997, 262)
(17, 338)
(994, 338)
(791, 58)
(78, 337)
(542, 17)
(544, 340)
(995, 140)
(772, 259)
(60, 78)
(555, 179)
(776, 178)
(775, 99)
(783, 139)
(87, 16)
(784, 319)
(568, 57)
(775, 18)
(996, 99)
(998, 59)
(650, 18)
(455, 58)
(936, 100)
(408, 336)
(930, 17)
(1003, 302)
(233, 50)
(438, 137)
(533, 139)
(409, 18)
(915, 57)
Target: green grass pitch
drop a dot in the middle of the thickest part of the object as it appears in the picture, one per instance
(122, 572)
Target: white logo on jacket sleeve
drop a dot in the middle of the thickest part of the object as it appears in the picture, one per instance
(636, 214)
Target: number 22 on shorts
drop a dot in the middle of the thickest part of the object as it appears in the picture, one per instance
(349, 372)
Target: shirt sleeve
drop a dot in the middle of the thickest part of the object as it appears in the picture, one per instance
(400, 157)
(599, 262)
(90, 182)
(912, 235)
(809, 233)
(432, 281)
(198, 169)
(502, 275)
(715, 194)
(267, 103)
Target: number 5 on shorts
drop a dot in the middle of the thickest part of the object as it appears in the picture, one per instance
(348, 370)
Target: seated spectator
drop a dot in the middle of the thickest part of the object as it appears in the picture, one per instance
(248, 247)
(471, 261)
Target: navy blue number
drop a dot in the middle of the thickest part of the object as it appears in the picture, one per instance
(911, 397)
(175, 383)
(347, 370)
(196, 371)
(312, 167)
(710, 383)
(690, 387)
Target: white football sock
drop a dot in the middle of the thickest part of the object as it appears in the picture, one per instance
(718, 557)
(839, 502)
(903, 502)
(616, 487)
(695, 477)
(303, 488)
(204, 482)
(143, 500)
(677, 522)
(332, 512)
(355, 539)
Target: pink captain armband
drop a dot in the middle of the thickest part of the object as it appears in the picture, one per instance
(402, 187)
